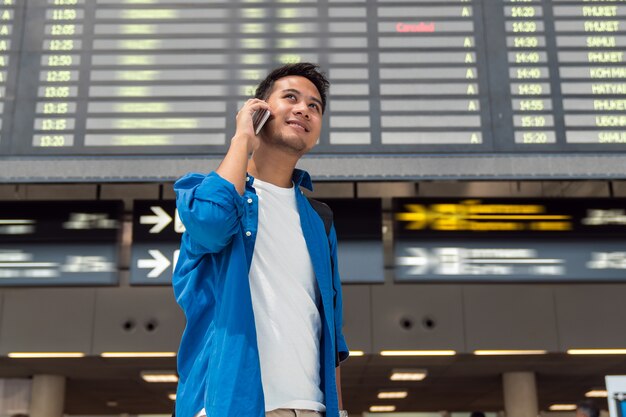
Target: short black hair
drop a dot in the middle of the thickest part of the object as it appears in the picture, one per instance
(307, 70)
(589, 408)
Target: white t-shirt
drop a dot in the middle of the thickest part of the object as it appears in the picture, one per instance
(285, 297)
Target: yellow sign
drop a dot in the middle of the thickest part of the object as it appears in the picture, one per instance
(472, 215)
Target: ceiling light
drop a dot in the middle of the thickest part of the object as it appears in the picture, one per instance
(597, 351)
(138, 354)
(408, 374)
(563, 407)
(43, 355)
(597, 393)
(357, 353)
(382, 408)
(159, 376)
(386, 395)
(509, 352)
(172, 396)
(418, 353)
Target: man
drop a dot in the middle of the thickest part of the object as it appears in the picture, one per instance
(257, 273)
(587, 408)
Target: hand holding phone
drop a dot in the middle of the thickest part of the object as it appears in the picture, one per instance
(258, 120)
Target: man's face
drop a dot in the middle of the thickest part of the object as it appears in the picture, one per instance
(296, 120)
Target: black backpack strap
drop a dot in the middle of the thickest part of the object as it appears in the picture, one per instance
(326, 215)
(324, 212)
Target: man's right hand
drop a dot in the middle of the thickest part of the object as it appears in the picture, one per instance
(245, 128)
(235, 163)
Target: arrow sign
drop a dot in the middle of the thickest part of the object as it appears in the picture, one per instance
(158, 263)
(418, 261)
(160, 220)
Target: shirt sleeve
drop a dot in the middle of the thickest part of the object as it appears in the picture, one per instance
(210, 208)
(340, 341)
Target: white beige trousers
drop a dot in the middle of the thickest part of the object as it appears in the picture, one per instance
(284, 412)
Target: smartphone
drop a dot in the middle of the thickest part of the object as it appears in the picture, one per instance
(258, 120)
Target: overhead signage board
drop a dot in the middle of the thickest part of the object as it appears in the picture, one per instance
(358, 223)
(126, 81)
(157, 230)
(509, 240)
(50, 243)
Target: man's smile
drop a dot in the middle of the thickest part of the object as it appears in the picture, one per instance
(297, 124)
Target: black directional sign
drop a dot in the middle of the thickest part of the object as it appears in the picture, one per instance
(59, 243)
(157, 230)
(155, 221)
(360, 238)
(510, 239)
(510, 260)
(555, 217)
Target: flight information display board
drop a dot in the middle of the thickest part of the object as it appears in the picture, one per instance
(494, 77)
(49, 243)
(509, 239)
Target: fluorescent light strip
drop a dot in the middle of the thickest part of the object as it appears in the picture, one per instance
(513, 261)
(43, 355)
(418, 353)
(509, 352)
(357, 353)
(563, 407)
(138, 354)
(386, 395)
(597, 393)
(17, 221)
(596, 351)
(407, 376)
(382, 408)
(159, 377)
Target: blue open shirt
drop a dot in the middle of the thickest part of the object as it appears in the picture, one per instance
(218, 359)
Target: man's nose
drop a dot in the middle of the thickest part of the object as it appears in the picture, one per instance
(302, 109)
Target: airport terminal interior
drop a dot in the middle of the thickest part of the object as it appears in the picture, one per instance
(472, 151)
(461, 342)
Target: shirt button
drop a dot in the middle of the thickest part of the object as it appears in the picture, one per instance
(248, 233)
(249, 201)
(247, 179)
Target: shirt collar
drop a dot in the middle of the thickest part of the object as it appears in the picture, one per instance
(302, 178)
(299, 178)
